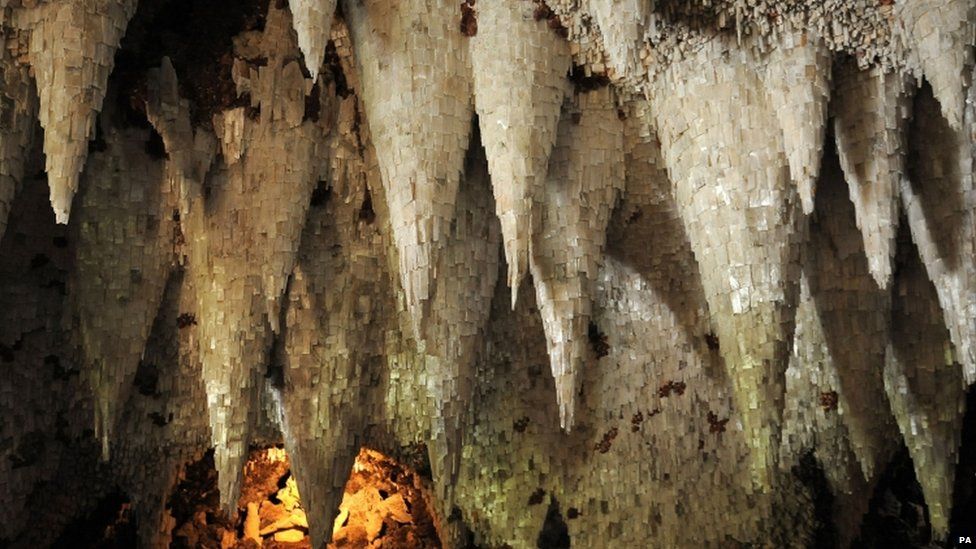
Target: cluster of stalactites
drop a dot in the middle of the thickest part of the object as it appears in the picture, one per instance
(742, 124)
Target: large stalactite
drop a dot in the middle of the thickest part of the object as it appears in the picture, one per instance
(749, 230)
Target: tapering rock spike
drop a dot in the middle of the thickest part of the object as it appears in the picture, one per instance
(460, 310)
(939, 201)
(120, 268)
(854, 316)
(322, 392)
(925, 388)
(647, 213)
(327, 333)
(586, 173)
(312, 20)
(247, 245)
(813, 422)
(519, 68)
(797, 79)
(939, 36)
(871, 112)
(190, 152)
(622, 26)
(72, 51)
(417, 100)
(730, 174)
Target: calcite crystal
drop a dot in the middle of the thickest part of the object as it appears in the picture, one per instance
(749, 230)
(622, 28)
(744, 223)
(925, 388)
(871, 113)
(123, 260)
(72, 48)
(585, 176)
(939, 202)
(939, 38)
(797, 80)
(313, 21)
(419, 111)
(519, 68)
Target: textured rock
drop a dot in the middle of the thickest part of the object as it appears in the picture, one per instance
(72, 48)
(245, 243)
(737, 323)
(622, 27)
(834, 381)
(743, 220)
(122, 261)
(313, 21)
(871, 115)
(18, 108)
(328, 332)
(939, 38)
(797, 80)
(585, 175)
(925, 388)
(419, 110)
(461, 308)
(519, 68)
(939, 202)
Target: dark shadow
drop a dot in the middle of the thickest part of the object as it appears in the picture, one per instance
(811, 474)
(847, 299)
(555, 533)
(932, 161)
(110, 524)
(897, 515)
(646, 233)
(963, 522)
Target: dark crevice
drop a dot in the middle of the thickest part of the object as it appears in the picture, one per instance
(963, 520)
(555, 533)
(109, 524)
(897, 514)
(197, 37)
(811, 474)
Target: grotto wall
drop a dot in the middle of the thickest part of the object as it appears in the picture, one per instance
(637, 262)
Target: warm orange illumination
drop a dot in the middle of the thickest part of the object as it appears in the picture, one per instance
(383, 503)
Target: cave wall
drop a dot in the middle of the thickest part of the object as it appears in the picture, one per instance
(633, 261)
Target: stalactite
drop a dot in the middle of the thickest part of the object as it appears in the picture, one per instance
(797, 79)
(811, 383)
(925, 388)
(716, 307)
(834, 377)
(18, 110)
(939, 36)
(241, 254)
(834, 381)
(325, 355)
(730, 174)
(469, 267)
(190, 152)
(519, 68)
(939, 201)
(871, 113)
(622, 26)
(313, 21)
(72, 48)
(165, 412)
(419, 110)
(123, 258)
(585, 176)
(853, 312)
